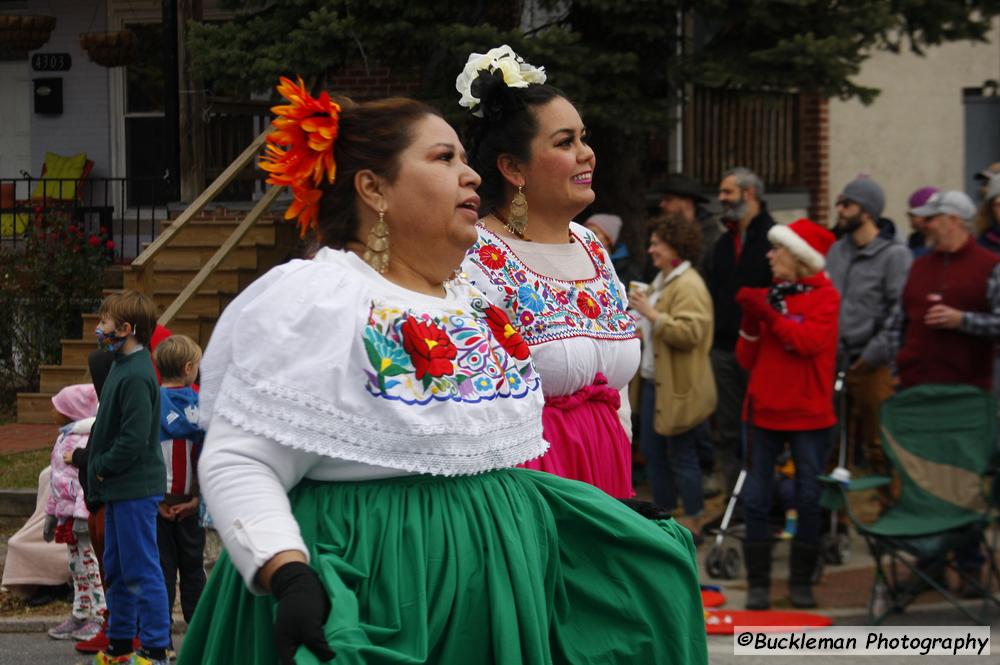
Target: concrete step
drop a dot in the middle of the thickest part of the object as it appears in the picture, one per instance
(56, 377)
(34, 408)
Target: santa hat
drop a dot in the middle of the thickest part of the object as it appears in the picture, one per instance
(805, 239)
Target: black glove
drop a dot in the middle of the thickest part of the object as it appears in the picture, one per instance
(647, 509)
(49, 529)
(303, 607)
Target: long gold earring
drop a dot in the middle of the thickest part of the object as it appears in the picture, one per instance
(377, 247)
(517, 220)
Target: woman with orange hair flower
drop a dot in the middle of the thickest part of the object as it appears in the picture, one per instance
(364, 409)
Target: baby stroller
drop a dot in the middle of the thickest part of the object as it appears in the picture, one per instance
(723, 560)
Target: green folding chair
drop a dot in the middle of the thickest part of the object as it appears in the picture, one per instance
(942, 442)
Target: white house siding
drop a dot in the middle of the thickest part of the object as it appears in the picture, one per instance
(912, 135)
(84, 125)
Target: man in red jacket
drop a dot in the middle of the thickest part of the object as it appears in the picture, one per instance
(788, 344)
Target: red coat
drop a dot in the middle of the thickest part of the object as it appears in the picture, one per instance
(793, 359)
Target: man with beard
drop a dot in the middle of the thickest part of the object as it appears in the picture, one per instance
(946, 323)
(739, 259)
(869, 271)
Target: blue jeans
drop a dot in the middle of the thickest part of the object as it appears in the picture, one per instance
(135, 591)
(809, 452)
(671, 461)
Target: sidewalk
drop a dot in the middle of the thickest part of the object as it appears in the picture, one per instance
(17, 438)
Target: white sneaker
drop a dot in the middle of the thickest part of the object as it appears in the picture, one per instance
(65, 630)
(88, 630)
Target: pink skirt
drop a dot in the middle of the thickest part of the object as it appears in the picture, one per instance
(586, 439)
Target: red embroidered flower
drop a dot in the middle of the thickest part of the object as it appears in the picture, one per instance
(590, 307)
(506, 334)
(492, 257)
(430, 349)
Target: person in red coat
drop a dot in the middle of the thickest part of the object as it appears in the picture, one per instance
(788, 344)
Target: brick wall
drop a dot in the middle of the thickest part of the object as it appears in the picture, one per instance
(814, 154)
(359, 83)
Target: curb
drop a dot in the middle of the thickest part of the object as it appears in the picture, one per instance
(17, 502)
(42, 624)
(28, 625)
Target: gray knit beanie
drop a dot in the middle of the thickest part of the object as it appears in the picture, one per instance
(867, 194)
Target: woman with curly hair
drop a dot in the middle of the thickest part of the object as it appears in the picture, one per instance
(678, 388)
(551, 275)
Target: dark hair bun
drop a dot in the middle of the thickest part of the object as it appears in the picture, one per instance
(496, 98)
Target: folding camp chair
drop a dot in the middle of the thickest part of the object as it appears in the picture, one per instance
(941, 440)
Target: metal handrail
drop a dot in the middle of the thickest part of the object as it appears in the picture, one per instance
(144, 265)
(220, 255)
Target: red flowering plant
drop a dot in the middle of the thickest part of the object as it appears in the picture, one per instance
(48, 278)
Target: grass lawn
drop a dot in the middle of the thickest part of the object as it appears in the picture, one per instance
(20, 470)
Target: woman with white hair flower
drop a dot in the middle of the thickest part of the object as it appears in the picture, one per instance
(552, 276)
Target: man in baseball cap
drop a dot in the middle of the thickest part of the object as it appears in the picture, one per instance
(954, 204)
(945, 325)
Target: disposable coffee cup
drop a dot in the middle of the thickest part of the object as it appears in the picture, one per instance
(635, 286)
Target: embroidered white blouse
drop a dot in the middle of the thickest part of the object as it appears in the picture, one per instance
(567, 303)
(324, 369)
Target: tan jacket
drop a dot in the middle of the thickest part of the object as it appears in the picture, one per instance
(682, 339)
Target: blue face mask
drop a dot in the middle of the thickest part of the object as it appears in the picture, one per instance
(108, 341)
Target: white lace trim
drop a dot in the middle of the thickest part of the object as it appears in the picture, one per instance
(304, 422)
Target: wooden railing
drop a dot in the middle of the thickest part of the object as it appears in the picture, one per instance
(144, 266)
(230, 125)
(724, 129)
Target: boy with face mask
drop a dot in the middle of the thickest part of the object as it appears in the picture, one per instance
(125, 471)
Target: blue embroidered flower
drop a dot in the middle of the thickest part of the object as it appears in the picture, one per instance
(483, 384)
(530, 299)
(514, 379)
(387, 353)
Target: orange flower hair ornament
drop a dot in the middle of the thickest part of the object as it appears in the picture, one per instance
(299, 151)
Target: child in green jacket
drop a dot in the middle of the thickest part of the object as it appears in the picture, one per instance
(125, 471)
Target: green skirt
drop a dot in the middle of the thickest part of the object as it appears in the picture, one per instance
(512, 566)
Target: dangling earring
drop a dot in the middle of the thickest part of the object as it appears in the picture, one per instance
(517, 220)
(377, 247)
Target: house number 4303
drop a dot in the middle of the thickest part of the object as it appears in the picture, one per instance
(51, 62)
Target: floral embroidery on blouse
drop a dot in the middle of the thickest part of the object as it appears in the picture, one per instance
(464, 356)
(545, 308)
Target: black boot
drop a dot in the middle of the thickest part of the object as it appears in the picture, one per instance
(757, 558)
(803, 564)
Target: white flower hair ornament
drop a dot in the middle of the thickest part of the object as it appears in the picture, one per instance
(484, 70)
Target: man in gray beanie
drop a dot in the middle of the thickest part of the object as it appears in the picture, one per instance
(869, 271)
